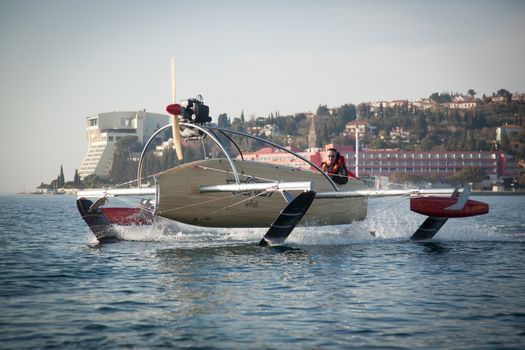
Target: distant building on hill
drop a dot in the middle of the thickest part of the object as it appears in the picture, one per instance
(507, 130)
(424, 103)
(462, 102)
(518, 97)
(362, 127)
(105, 129)
(387, 161)
(398, 133)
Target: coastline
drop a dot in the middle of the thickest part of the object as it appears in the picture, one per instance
(497, 193)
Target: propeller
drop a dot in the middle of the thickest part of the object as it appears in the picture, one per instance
(174, 109)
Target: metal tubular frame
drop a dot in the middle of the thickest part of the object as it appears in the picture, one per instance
(207, 129)
(277, 146)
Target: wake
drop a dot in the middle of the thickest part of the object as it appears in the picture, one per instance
(385, 227)
(388, 220)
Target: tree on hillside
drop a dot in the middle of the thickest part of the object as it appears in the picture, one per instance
(471, 93)
(223, 121)
(322, 135)
(346, 113)
(363, 110)
(124, 168)
(61, 179)
(94, 181)
(322, 110)
(237, 124)
(377, 143)
(468, 175)
(289, 127)
(76, 179)
(504, 144)
(440, 98)
(428, 142)
(504, 93)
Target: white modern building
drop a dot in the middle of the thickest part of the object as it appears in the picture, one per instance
(105, 129)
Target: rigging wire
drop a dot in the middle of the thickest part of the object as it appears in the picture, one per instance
(396, 202)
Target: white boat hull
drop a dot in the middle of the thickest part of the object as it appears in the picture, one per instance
(180, 198)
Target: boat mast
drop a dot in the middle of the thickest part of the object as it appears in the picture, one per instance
(356, 146)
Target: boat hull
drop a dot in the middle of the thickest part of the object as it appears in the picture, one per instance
(99, 224)
(179, 197)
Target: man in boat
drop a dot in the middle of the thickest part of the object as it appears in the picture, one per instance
(335, 166)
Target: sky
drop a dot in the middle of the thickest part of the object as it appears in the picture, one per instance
(62, 61)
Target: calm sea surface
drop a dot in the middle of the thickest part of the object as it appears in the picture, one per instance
(335, 288)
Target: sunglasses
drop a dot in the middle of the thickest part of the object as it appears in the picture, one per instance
(331, 156)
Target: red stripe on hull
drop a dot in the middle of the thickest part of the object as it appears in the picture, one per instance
(127, 216)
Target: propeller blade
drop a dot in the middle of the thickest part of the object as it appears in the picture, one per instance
(175, 121)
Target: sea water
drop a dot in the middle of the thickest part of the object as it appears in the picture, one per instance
(174, 286)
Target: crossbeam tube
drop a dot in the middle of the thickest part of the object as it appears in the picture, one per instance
(262, 186)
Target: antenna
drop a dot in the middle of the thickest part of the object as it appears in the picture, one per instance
(356, 146)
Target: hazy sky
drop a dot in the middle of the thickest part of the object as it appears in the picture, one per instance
(61, 61)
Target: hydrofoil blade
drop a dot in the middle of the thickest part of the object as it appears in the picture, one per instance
(288, 219)
(428, 228)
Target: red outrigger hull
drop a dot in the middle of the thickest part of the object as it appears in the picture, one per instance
(127, 216)
(434, 206)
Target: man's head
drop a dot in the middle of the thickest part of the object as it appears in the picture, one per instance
(331, 155)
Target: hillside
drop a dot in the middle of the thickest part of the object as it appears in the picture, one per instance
(437, 123)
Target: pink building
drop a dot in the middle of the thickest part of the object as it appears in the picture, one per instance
(384, 162)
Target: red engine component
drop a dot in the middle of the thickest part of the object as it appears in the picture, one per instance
(174, 109)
